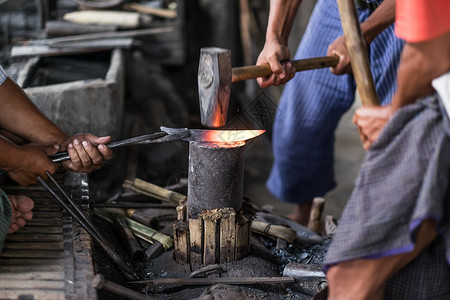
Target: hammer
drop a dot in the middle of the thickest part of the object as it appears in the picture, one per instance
(215, 76)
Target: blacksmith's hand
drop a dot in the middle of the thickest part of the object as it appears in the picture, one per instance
(276, 54)
(87, 152)
(339, 48)
(370, 121)
(30, 161)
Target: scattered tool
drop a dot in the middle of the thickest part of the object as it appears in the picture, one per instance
(175, 134)
(99, 282)
(309, 278)
(215, 76)
(223, 280)
(78, 215)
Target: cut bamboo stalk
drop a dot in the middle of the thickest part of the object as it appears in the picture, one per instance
(196, 240)
(181, 232)
(181, 212)
(242, 237)
(144, 232)
(210, 236)
(274, 231)
(171, 196)
(227, 235)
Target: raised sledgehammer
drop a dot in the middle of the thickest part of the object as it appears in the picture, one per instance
(215, 76)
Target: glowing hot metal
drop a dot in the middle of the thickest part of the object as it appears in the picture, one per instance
(215, 136)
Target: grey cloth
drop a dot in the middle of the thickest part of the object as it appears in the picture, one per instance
(403, 180)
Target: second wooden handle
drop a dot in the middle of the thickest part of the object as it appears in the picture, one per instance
(358, 52)
(252, 72)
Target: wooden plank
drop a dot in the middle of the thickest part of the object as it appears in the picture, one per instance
(46, 230)
(210, 239)
(181, 252)
(32, 284)
(196, 240)
(45, 222)
(31, 254)
(42, 275)
(54, 246)
(47, 214)
(36, 294)
(31, 261)
(46, 207)
(242, 237)
(227, 235)
(31, 268)
(29, 237)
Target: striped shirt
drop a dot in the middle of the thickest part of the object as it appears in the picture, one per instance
(3, 75)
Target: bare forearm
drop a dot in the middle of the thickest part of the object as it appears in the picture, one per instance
(21, 117)
(281, 18)
(379, 20)
(419, 65)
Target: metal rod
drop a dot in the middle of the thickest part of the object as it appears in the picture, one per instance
(89, 227)
(61, 156)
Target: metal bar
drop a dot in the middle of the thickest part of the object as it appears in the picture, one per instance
(89, 227)
(60, 156)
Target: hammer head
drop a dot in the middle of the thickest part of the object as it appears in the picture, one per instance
(214, 86)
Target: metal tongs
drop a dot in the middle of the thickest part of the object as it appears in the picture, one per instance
(78, 215)
(158, 137)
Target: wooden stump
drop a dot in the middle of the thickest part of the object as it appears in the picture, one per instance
(215, 236)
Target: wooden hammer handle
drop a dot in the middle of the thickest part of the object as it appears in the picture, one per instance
(252, 72)
(357, 50)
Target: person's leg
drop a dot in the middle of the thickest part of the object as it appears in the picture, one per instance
(301, 213)
(307, 116)
(21, 207)
(366, 278)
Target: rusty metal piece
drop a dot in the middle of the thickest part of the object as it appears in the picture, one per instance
(154, 250)
(205, 270)
(309, 278)
(99, 282)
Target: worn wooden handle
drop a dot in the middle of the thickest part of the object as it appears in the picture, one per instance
(252, 72)
(357, 50)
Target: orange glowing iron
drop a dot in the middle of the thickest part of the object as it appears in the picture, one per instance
(214, 136)
(176, 134)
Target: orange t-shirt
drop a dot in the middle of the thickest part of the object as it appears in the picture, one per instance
(421, 20)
